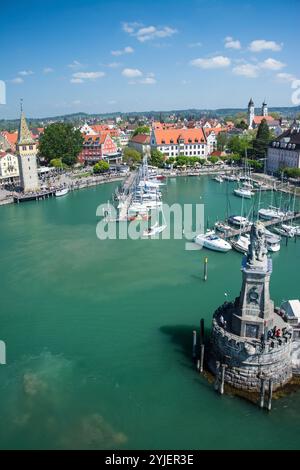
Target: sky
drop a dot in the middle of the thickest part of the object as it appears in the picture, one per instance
(99, 56)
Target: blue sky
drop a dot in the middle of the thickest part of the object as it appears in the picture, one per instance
(127, 55)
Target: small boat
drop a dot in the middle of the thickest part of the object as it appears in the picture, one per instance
(289, 228)
(219, 179)
(284, 232)
(222, 227)
(243, 192)
(61, 192)
(247, 185)
(241, 244)
(211, 241)
(271, 213)
(154, 230)
(273, 244)
(239, 221)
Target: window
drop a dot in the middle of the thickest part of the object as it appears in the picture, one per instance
(30, 147)
(24, 147)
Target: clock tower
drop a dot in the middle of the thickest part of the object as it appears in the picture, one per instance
(27, 152)
(255, 309)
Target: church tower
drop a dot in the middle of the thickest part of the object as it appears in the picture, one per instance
(27, 152)
(251, 114)
(264, 109)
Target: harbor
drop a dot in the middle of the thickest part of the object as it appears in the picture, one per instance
(149, 299)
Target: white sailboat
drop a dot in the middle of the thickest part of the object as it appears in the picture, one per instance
(155, 229)
(243, 192)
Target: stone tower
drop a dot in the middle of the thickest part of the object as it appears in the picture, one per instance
(248, 337)
(251, 113)
(264, 109)
(27, 152)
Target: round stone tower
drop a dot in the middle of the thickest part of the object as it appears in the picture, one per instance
(248, 337)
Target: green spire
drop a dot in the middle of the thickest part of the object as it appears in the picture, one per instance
(25, 137)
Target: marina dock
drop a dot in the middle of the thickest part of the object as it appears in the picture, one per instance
(267, 223)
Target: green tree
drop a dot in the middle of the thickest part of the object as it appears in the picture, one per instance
(131, 156)
(101, 167)
(213, 160)
(291, 172)
(157, 158)
(61, 141)
(56, 162)
(238, 144)
(242, 125)
(262, 139)
(222, 139)
(141, 130)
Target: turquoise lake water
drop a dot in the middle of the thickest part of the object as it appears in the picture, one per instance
(98, 333)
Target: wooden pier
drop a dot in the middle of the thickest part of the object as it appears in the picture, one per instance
(36, 196)
(267, 223)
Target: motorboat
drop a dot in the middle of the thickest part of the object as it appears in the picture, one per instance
(271, 213)
(243, 192)
(211, 241)
(289, 228)
(154, 230)
(273, 244)
(247, 185)
(61, 192)
(242, 243)
(289, 232)
(219, 179)
(222, 227)
(239, 220)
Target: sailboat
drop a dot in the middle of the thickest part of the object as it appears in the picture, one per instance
(156, 228)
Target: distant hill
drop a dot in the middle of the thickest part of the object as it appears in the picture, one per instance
(79, 118)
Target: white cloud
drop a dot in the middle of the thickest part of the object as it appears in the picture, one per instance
(75, 65)
(126, 50)
(48, 70)
(246, 70)
(212, 63)
(112, 102)
(76, 102)
(148, 81)
(272, 64)
(148, 33)
(231, 43)
(76, 80)
(88, 75)
(262, 45)
(114, 65)
(131, 73)
(17, 80)
(286, 77)
(25, 73)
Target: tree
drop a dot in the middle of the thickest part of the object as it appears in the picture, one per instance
(291, 172)
(213, 160)
(222, 139)
(157, 158)
(61, 141)
(242, 125)
(238, 144)
(141, 130)
(262, 139)
(101, 167)
(131, 156)
(56, 162)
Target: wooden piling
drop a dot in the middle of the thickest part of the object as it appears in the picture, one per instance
(262, 393)
(194, 344)
(216, 384)
(223, 367)
(270, 394)
(205, 268)
(201, 357)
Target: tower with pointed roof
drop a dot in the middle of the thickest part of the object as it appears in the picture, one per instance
(251, 113)
(27, 153)
(264, 109)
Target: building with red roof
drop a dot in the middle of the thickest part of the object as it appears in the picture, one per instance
(176, 142)
(98, 147)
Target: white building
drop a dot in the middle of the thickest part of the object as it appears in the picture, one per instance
(284, 151)
(176, 142)
(27, 153)
(9, 167)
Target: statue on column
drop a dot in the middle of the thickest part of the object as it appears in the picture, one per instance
(257, 248)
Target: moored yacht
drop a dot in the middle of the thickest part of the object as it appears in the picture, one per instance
(211, 241)
(271, 213)
(239, 221)
(243, 192)
(242, 243)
